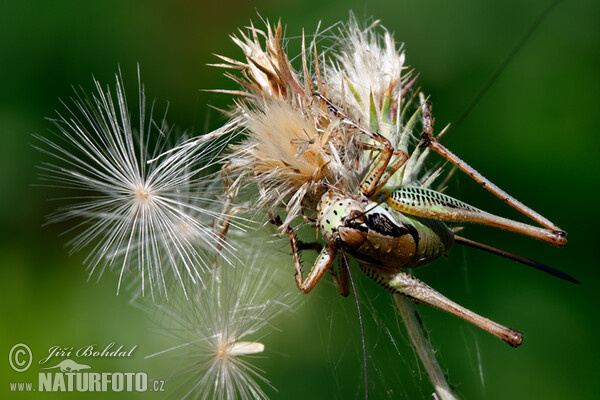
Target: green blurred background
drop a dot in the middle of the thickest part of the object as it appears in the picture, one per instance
(534, 134)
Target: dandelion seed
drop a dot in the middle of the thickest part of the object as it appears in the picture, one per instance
(212, 331)
(148, 220)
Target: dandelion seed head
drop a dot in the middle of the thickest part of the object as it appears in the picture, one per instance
(148, 221)
(143, 196)
(220, 330)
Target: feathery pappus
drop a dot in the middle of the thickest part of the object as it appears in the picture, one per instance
(151, 221)
(216, 331)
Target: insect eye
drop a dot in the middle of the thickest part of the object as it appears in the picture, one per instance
(356, 216)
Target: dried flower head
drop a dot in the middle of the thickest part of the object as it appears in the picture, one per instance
(293, 147)
(369, 78)
(368, 71)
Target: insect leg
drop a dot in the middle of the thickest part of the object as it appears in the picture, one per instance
(427, 203)
(427, 140)
(398, 160)
(373, 179)
(224, 227)
(227, 212)
(341, 277)
(322, 263)
(400, 282)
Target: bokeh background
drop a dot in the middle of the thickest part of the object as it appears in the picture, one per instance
(534, 133)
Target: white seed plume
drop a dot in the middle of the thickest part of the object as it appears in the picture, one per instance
(149, 220)
(368, 68)
(211, 332)
(369, 77)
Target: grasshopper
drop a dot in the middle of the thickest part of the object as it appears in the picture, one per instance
(389, 231)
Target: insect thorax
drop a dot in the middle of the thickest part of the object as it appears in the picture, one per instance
(335, 211)
(375, 234)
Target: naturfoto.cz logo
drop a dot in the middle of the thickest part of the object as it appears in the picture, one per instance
(68, 375)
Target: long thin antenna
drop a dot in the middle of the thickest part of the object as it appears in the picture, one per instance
(360, 321)
(502, 66)
(511, 256)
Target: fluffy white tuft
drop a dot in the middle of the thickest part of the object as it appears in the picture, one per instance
(220, 330)
(152, 220)
(368, 68)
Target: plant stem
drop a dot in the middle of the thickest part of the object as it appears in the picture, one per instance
(423, 347)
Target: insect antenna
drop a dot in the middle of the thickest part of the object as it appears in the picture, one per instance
(379, 202)
(346, 265)
(511, 256)
(502, 66)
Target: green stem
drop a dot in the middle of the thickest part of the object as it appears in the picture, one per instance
(423, 347)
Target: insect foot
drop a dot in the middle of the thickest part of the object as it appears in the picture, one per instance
(397, 281)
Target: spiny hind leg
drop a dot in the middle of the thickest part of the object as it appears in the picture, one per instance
(558, 237)
(397, 281)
